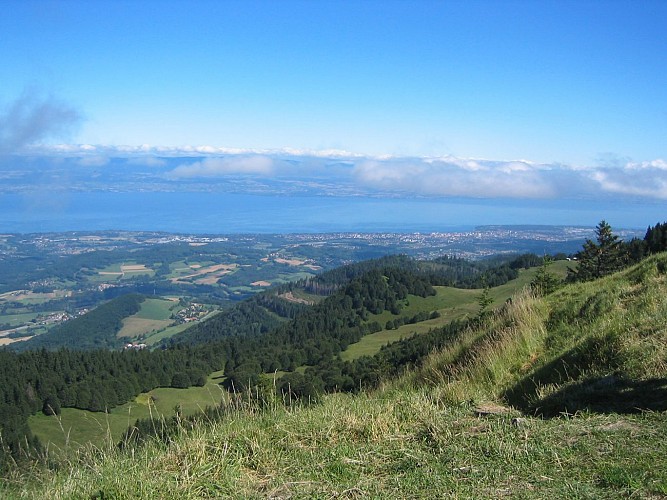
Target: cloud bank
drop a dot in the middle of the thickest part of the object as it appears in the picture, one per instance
(339, 173)
(460, 178)
(218, 167)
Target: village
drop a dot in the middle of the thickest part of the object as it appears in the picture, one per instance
(193, 312)
(58, 317)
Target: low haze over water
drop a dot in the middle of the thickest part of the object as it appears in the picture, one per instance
(188, 212)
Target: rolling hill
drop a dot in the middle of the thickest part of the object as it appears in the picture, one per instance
(563, 396)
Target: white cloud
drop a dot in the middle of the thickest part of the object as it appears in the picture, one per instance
(218, 167)
(93, 161)
(657, 164)
(646, 179)
(450, 177)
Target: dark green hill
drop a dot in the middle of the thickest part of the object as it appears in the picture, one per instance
(96, 329)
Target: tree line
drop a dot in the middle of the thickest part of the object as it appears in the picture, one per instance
(608, 253)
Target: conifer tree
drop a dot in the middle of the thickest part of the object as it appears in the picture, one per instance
(484, 300)
(545, 282)
(601, 258)
(656, 238)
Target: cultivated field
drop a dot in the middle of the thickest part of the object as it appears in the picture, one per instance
(200, 275)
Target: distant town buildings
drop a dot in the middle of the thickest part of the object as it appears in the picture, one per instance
(135, 346)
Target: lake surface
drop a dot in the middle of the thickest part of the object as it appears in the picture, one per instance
(220, 213)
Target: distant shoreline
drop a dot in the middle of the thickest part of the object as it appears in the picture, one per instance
(225, 213)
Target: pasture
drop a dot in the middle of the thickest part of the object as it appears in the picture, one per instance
(73, 428)
(120, 271)
(153, 316)
(451, 303)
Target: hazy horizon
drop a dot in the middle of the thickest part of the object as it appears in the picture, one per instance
(523, 113)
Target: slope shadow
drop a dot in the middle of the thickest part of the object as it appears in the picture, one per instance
(608, 394)
(570, 366)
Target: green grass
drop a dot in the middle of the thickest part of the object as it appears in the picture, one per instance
(181, 268)
(597, 346)
(165, 333)
(37, 298)
(371, 344)
(451, 303)
(75, 428)
(170, 331)
(117, 273)
(156, 309)
(391, 444)
(153, 317)
(20, 319)
(112, 268)
(424, 435)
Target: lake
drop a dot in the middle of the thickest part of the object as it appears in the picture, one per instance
(225, 213)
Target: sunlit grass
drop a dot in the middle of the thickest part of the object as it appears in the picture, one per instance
(74, 428)
(391, 444)
(425, 435)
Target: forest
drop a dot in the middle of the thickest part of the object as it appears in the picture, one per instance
(266, 334)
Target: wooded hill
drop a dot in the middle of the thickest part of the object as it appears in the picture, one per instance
(560, 393)
(262, 335)
(46, 381)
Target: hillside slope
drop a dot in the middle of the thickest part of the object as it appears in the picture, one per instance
(599, 346)
(469, 423)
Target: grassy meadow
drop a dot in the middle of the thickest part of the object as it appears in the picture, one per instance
(74, 428)
(153, 322)
(153, 315)
(557, 397)
(451, 303)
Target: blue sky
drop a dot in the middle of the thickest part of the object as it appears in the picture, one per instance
(424, 98)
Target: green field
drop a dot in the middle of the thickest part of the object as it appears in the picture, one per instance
(73, 428)
(19, 319)
(153, 321)
(451, 303)
(183, 268)
(165, 333)
(156, 309)
(119, 271)
(152, 317)
(113, 268)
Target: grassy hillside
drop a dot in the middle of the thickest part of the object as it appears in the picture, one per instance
(451, 304)
(561, 397)
(599, 346)
(74, 428)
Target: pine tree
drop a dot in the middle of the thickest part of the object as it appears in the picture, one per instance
(545, 282)
(484, 300)
(656, 238)
(602, 258)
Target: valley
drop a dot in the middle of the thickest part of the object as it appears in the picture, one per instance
(74, 427)
(49, 278)
(513, 336)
